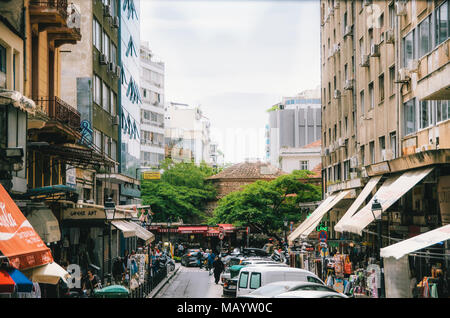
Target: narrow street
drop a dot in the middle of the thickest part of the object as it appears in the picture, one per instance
(191, 282)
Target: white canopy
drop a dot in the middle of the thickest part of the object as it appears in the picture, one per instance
(142, 233)
(47, 274)
(391, 190)
(126, 227)
(416, 243)
(311, 222)
(357, 203)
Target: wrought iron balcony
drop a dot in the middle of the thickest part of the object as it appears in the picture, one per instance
(49, 8)
(56, 109)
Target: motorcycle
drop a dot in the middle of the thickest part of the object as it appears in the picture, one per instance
(167, 261)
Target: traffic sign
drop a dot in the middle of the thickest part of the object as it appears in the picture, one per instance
(323, 236)
(221, 233)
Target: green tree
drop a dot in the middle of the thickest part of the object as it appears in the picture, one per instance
(181, 193)
(265, 204)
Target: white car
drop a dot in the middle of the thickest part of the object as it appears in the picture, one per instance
(311, 294)
(280, 287)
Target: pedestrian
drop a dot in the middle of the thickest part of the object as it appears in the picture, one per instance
(211, 259)
(180, 249)
(200, 258)
(91, 283)
(218, 269)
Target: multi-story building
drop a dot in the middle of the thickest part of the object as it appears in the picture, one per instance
(293, 123)
(187, 133)
(385, 125)
(152, 110)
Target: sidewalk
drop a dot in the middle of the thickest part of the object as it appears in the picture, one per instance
(163, 283)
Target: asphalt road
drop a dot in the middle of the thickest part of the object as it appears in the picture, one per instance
(191, 282)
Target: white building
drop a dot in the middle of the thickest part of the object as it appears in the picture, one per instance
(187, 130)
(303, 158)
(152, 111)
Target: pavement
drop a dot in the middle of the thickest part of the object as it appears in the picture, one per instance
(164, 282)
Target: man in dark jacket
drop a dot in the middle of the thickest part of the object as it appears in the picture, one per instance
(218, 269)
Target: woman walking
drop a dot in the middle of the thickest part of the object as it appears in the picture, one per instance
(218, 269)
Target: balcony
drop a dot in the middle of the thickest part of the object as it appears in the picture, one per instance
(58, 110)
(61, 20)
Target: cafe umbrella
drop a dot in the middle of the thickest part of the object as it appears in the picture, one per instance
(13, 280)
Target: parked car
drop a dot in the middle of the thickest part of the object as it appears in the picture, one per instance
(190, 257)
(251, 251)
(277, 288)
(254, 277)
(310, 294)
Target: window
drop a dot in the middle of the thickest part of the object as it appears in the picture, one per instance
(346, 125)
(424, 33)
(361, 95)
(409, 48)
(113, 53)
(346, 72)
(372, 152)
(97, 138)
(363, 157)
(243, 280)
(425, 114)
(381, 21)
(106, 46)
(303, 164)
(410, 116)
(442, 110)
(97, 90)
(106, 97)
(97, 35)
(312, 279)
(255, 281)
(392, 15)
(442, 23)
(113, 103)
(382, 144)
(392, 80)
(371, 96)
(113, 149)
(381, 87)
(2, 67)
(393, 142)
(347, 170)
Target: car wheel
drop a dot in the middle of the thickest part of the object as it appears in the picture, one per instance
(171, 267)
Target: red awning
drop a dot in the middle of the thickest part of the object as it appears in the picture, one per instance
(19, 242)
(192, 229)
(228, 228)
(7, 284)
(212, 232)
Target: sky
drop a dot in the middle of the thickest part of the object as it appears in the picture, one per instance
(235, 59)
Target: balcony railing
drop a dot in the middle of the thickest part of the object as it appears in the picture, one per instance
(57, 109)
(59, 5)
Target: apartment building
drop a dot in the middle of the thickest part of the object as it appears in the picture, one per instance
(385, 128)
(152, 110)
(293, 123)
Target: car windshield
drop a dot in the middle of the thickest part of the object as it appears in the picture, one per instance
(315, 287)
(271, 290)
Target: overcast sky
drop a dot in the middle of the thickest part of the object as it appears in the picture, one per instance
(236, 59)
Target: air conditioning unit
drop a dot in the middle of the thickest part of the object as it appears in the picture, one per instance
(103, 59)
(341, 142)
(155, 102)
(330, 52)
(413, 66)
(348, 84)
(327, 151)
(375, 50)
(107, 12)
(401, 8)
(390, 37)
(330, 11)
(336, 4)
(354, 162)
(111, 67)
(337, 94)
(388, 154)
(404, 75)
(116, 120)
(348, 30)
(353, 175)
(116, 22)
(367, 3)
(365, 62)
(336, 48)
(118, 71)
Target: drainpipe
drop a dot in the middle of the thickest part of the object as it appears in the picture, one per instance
(24, 37)
(397, 44)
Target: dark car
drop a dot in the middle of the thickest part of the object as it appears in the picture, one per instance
(250, 251)
(190, 257)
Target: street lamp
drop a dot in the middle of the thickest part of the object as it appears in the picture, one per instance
(285, 226)
(376, 207)
(110, 208)
(168, 229)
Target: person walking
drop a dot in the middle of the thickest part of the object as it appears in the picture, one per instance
(200, 258)
(218, 269)
(211, 259)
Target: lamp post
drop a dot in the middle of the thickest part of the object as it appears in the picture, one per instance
(285, 226)
(110, 208)
(376, 207)
(168, 229)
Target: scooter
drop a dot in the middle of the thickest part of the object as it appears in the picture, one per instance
(167, 261)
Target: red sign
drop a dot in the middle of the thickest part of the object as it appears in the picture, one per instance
(193, 230)
(323, 236)
(18, 240)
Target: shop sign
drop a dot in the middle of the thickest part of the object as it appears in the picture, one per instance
(151, 175)
(84, 213)
(71, 176)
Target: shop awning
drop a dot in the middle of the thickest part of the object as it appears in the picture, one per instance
(416, 243)
(7, 284)
(391, 190)
(49, 190)
(212, 233)
(21, 282)
(47, 274)
(46, 224)
(192, 229)
(19, 242)
(142, 233)
(324, 205)
(315, 218)
(357, 203)
(127, 229)
(228, 228)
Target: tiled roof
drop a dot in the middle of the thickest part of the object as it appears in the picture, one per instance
(315, 144)
(249, 170)
(317, 171)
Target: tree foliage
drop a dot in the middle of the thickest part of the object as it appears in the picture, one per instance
(181, 193)
(265, 204)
